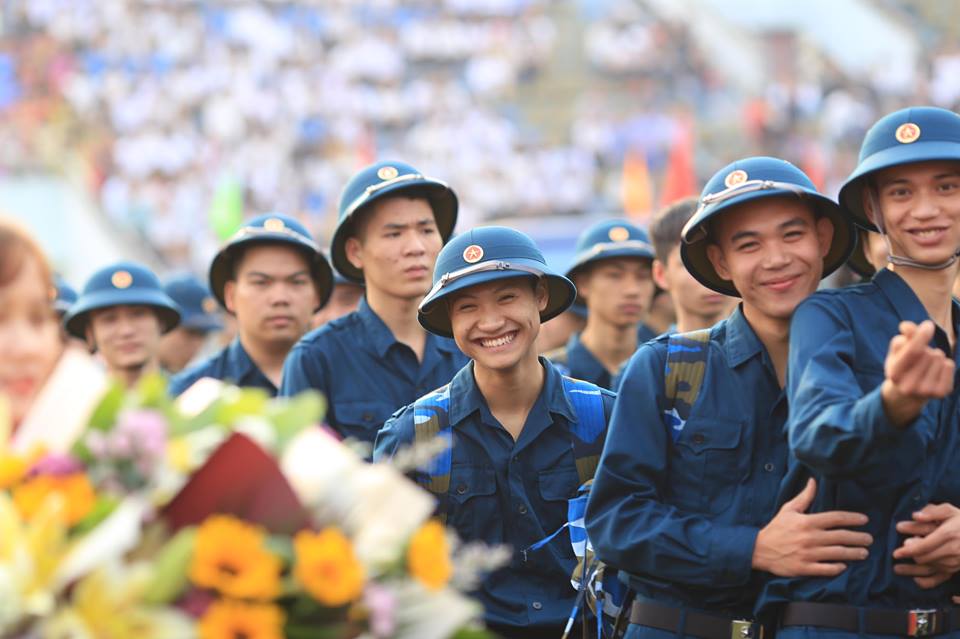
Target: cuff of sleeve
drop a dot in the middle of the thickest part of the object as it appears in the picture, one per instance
(870, 412)
(732, 553)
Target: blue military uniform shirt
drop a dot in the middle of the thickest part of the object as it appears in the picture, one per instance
(839, 433)
(232, 365)
(576, 360)
(364, 372)
(680, 517)
(511, 492)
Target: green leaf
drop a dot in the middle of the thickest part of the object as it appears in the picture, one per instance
(101, 510)
(170, 568)
(105, 414)
(239, 403)
(290, 416)
(151, 391)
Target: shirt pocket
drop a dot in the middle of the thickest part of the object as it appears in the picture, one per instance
(361, 419)
(556, 487)
(712, 464)
(473, 503)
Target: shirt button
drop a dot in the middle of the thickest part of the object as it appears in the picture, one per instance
(537, 605)
(522, 509)
(462, 488)
(768, 467)
(516, 459)
(917, 498)
(367, 417)
(699, 438)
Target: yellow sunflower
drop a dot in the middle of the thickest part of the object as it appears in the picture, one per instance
(428, 556)
(75, 489)
(230, 557)
(327, 566)
(234, 620)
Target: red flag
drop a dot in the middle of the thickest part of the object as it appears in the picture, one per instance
(814, 165)
(635, 188)
(679, 179)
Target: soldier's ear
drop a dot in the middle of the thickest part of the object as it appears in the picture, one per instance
(718, 260)
(542, 294)
(354, 252)
(91, 342)
(825, 233)
(229, 296)
(659, 272)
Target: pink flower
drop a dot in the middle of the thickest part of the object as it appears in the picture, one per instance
(56, 464)
(383, 609)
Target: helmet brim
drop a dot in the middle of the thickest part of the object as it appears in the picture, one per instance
(435, 317)
(443, 202)
(851, 194)
(75, 321)
(693, 250)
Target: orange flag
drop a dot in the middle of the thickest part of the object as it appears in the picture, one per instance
(679, 179)
(635, 187)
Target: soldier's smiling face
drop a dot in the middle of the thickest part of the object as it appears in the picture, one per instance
(772, 249)
(127, 337)
(920, 205)
(496, 323)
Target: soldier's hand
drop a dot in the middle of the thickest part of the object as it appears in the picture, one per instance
(933, 545)
(796, 544)
(914, 373)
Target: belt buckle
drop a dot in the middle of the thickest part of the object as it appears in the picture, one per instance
(921, 623)
(743, 629)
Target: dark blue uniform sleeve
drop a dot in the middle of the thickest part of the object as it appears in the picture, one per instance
(838, 427)
(396, 433)
(302, 370)
(628, 520)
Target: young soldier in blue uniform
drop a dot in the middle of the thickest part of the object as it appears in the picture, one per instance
(873, 400)
(393, 222)
(523, 436)
(121, 313)
(199, 317)
(695, 305)
(612, 273)
(272, 277)
(684, 498)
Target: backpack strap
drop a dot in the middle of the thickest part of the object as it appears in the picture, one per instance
(431, 419)
(683, 374)
(589, 432)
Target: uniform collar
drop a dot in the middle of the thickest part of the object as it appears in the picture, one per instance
(466, 398)
(908, 306)
(905, 302)
(586, 361)
(741, 341)
(241, 365)
(381, 337)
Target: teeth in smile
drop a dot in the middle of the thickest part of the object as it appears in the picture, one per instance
(927, 232)
(499, 341)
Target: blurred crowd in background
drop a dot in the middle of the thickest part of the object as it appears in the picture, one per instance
(180, 116)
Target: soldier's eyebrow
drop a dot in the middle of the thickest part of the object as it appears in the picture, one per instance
(797, 221)
(742, 235)
(398, 226)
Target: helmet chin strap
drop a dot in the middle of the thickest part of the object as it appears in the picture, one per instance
(899, 260)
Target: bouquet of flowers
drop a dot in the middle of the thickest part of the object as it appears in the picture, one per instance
(226, 514)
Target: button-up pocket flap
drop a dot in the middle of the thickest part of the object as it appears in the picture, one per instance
(471, 481)
(700, 434)
(560, 484)
(367, 413)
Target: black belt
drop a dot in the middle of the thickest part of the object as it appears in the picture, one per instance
(909, 623)
(698, 624)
